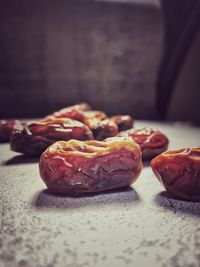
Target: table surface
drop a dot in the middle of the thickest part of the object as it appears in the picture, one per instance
(138, 226)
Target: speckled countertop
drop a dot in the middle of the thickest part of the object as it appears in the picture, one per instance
(138, 226)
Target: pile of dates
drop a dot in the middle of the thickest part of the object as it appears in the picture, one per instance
(34, 137)
(78, 122)
(84, 150)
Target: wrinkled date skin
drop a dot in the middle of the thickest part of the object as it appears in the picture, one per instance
(104, 129)
(92, 117)
(124, 122)
(76, 167)
(75, 112)
(179, 172)
(6, 129)
(35, 137)
(101, 126)
(72, 112)
(151, 141)
(96, 120)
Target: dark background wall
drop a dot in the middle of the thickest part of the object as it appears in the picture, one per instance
(185, 102)
(57, 53)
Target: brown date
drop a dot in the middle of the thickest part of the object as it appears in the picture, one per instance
(71, 112)
(179, 172)
(104, 129)
(35, 137)
(96, 120)
(77, 167)
(124, 122)
(93, 117)
(151, 141)
(6, 129)
(90, 118)
(100, 125)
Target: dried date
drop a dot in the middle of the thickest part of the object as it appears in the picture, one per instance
(151, 141)
(76, 167)
(104, 129)
(6, 129)
(71, 112)
(35, 137)
(101, 126)
(179, 172)
(96, 120)
(124, 122)
(93, 117)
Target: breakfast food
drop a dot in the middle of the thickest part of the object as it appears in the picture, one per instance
(75, 112)
(8, 126)
(104, 129)
(6, 129)
(96, 120)
(34, 137)
(151, 141)
(179, 172)
(76, 167)
(124, 122)
(100, 125)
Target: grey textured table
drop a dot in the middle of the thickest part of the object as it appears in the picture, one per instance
(138, 226)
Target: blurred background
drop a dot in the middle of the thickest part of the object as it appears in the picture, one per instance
(138, 57)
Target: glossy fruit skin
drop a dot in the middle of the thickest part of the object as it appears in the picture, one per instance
(35, 137)
(76, 167)
(124, 122)
(104, 129)
(152, 142)
(96, 120)
(179, 172)
(6, 129)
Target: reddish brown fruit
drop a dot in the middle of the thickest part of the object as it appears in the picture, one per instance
(179, 172)
(72, 112)
(6, 129)
(35, 137)
(124, 122)
(151, 141)
(104, 129)
(76, 167)
(96, 120)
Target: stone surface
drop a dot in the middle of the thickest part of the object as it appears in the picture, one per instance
(139, 226)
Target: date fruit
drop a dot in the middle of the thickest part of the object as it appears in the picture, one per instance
(6, 129)
(78, 167)
(35, 137)
(72, 112)
(151, 141)
(96, 120)
(100, 125)
(124, 122)
(104, 129)
(179, 172)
